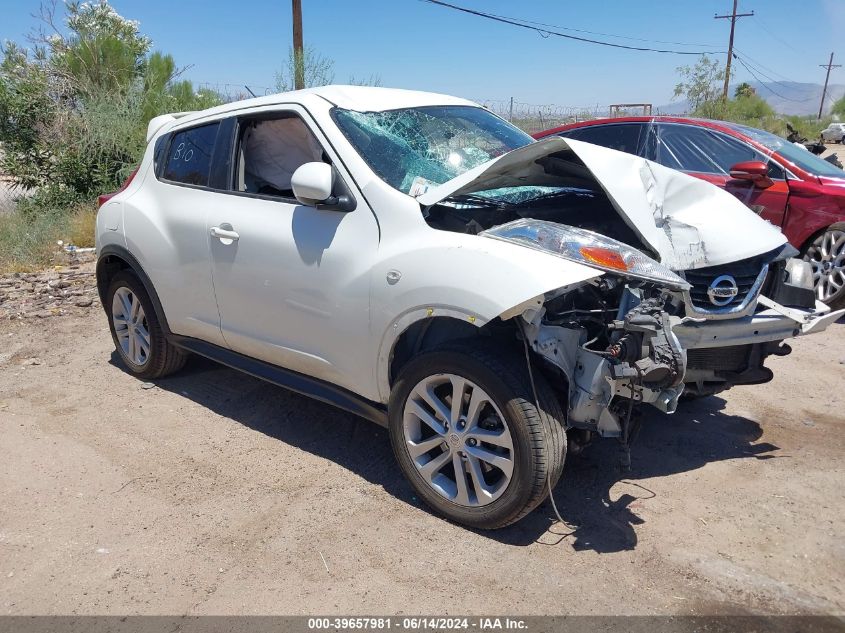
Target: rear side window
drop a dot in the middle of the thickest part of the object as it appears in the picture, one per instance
(159, 152)
(189, 155)
(624, 137)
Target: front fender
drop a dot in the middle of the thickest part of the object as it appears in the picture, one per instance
(466, 277)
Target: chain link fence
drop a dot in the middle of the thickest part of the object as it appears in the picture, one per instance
(8, 191)
(533, 117)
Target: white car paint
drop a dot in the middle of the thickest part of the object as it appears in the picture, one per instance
(327, 294)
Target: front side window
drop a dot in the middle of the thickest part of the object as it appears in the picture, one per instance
(412, 149)
(807, 161)
(699, 149)
(270, 150)
(624, 137)
(189, 155)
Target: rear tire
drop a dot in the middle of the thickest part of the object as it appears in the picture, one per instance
(137, 334)
(488, 463)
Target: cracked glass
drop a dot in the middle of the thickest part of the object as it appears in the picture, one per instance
(413, 149)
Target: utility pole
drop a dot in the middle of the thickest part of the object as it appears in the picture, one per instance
(734, 16)
(298, 54)
(828, 65)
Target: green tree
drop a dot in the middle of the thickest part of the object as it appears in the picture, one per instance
(701, 86)
(316, 69)
(838, 108)
(103, 50)
(26, 113)
(744, 90)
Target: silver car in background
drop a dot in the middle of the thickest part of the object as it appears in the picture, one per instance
(835, 133)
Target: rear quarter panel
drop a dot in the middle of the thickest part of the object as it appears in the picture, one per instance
(166, 231)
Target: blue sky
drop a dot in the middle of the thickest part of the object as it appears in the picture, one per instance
(413, 44)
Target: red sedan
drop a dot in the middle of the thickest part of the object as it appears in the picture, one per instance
(787, 185)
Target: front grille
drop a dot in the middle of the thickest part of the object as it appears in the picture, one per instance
(744, 272)
(729, 358)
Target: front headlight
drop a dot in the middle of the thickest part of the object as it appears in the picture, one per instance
(588, 248)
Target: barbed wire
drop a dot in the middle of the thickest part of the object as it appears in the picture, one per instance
(536, 117)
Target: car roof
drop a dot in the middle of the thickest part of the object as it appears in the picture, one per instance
(732, 129)
(359, 98)
(710, 123)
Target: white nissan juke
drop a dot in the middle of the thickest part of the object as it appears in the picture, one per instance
(416, 260)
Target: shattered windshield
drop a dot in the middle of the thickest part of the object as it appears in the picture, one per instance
(413, 149)
(791, 152)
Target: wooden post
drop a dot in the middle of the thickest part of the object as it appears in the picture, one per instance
(298, 55)
(829, 65)
(733, 18)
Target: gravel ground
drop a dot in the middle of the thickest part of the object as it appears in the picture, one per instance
(211, 492)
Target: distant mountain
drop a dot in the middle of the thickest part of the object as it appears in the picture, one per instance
(785, 97)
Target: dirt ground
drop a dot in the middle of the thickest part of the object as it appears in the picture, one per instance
(833, 148)
(211, 492)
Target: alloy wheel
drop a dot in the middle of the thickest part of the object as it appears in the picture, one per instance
(826, 255)
(130, 326)
(458, 440)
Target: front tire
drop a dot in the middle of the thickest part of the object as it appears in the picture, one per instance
(137, 334)
(470, 440)
(826, 255)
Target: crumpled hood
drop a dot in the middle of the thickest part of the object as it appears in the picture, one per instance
(687, 221)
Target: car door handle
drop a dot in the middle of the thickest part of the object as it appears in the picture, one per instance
(224, 233)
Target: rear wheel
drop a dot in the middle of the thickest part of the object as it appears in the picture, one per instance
(468, 437)
(826, 255)
(136, 332)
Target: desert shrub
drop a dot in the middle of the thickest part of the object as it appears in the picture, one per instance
(73, 116)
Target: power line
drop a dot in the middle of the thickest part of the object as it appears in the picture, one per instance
(758, 65)
(749, 61)
(764, 84)
(759, 22)
(733, 16)
(544, 32)
(574, 30)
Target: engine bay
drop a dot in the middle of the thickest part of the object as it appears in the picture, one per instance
(567, 194)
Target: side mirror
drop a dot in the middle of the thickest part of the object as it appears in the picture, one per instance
(754, 171)
(313, 185)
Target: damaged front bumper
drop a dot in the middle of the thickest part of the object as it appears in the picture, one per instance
(775, 323)
(675, 355)
(723, 354)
